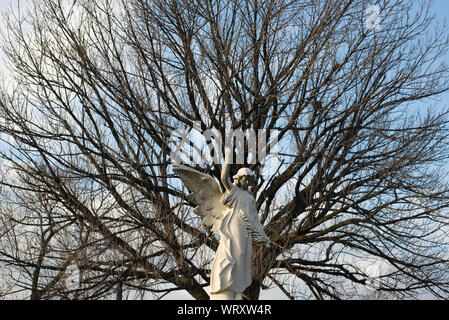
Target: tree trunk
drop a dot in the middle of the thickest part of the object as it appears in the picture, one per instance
(253, 291)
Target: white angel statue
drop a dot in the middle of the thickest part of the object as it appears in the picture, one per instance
(232, 215)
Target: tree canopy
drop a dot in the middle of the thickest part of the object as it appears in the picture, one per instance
(98, 87)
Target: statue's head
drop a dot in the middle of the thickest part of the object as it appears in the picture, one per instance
(244, 178)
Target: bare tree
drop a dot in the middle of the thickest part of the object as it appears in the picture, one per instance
(100, 86)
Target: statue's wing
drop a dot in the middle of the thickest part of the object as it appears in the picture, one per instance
(205, 193)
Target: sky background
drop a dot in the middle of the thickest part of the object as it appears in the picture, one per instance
(440, 9)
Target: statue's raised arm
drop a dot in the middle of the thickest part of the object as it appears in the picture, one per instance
(225, 170)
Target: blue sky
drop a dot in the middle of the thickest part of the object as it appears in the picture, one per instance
(440, 8)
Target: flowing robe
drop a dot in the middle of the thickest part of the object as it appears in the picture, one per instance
(232, 269)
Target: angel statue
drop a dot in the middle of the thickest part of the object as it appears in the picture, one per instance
(233, 216)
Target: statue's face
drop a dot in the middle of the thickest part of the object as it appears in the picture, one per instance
(245, 182)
